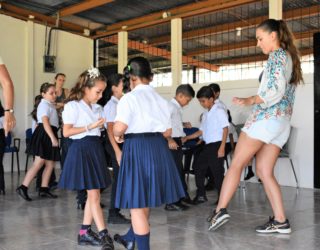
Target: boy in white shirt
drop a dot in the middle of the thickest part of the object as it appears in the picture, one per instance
(184, 95)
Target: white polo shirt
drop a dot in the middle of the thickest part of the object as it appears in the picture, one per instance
(176, 118)
(143, 110)
(110, 109)
(80, 114)
(48, 109)
(220, 104)
(213, 123)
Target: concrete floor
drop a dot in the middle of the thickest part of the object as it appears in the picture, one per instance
(54, 224)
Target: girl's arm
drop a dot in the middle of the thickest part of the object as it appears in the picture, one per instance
(113, 142)
(70, 130)
(167, 133)
(48, 129)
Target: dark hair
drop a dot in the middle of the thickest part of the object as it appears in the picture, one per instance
(215, 87)
(59, 74)
(138, 66)
(85, 80)
(186, 90)
(43, 89)
(205, 92)
(37, 100)
(286, 40)
(113, 80)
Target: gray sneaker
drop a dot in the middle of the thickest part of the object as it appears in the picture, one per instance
(273, 226)
(217, 219)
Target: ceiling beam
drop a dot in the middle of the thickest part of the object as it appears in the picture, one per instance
(83, 6)
(154, 51)
(257, 58)
(243, 44)
(24, 14)
(244, 24)
(187, 10)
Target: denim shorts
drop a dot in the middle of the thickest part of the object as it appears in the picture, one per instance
(272, 131)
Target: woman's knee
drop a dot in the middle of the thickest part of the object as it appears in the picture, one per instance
(264, 173)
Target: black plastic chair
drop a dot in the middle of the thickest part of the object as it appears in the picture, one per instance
(13, 149)
(28, 139)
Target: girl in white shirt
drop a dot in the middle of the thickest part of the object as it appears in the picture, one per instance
(85, 165)
(113, 94)
(44, 143)
(148, 176)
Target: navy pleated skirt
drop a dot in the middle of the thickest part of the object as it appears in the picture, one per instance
(41, 145)
(85, 166)
(148, 176)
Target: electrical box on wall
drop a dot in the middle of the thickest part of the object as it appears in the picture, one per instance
(49, 64)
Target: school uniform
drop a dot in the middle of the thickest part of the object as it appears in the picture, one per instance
(40, 143)
(221, 104)
(85, 163)
(177, 134)
(212, 125)
(110, 111)
(148, 176)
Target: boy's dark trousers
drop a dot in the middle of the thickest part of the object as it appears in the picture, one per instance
(208, 159)
(177, 156)
(188, 154)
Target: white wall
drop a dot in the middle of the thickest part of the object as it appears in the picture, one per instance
(22, 49)
(301, 142)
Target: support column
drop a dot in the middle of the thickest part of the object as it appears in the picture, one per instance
(176, 51)
(122, 50)
(29, 84)
(275, 9)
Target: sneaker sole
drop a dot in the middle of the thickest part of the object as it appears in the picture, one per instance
(224, 219)
(280, 231)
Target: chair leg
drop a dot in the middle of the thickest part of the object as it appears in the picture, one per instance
(294, 172)
(18, 162)
(26, 167)
(12, 158)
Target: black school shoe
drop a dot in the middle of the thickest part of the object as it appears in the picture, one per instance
(187, 200)
(273, 226)
(115, 217)
(129, 245)
(89, 238)
(177, 206)
(44, 192)
(217, 219)
(106, 241)
(23, 192)
(199, 199)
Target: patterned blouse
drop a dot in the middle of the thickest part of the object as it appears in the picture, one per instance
(275, 91)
